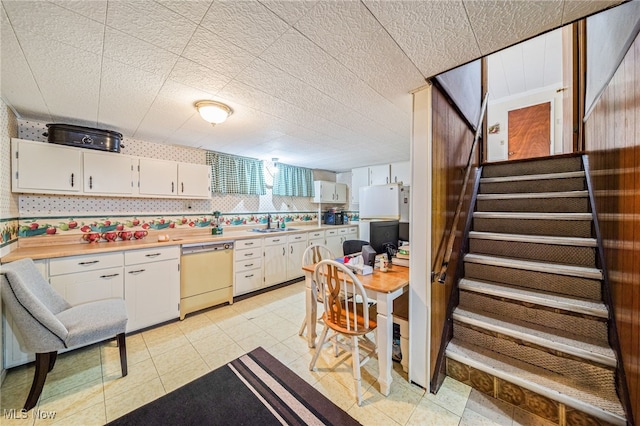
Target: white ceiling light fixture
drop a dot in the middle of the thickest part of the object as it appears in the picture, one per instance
(213, 112)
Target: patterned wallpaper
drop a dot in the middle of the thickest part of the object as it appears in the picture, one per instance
(8, 201)
(57, 211)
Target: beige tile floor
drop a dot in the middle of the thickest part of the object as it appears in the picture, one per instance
(85, 387)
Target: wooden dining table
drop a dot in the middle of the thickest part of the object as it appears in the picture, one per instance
(383, 287)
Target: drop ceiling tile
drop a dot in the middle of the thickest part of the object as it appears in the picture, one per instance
(93, 9)
(573, 10)
(136, 53)
(71, 95)
(210, 50)
(193, 10)
(151, 22)
(17, 85)
(247, 24)
(47, 20)
(436, 36)
(499, 24)
(289, 11)
(125, 102)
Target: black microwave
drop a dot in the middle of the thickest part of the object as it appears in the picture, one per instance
(333, 218)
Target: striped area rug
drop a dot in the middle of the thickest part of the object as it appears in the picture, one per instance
(255, 389)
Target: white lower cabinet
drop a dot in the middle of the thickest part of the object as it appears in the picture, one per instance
(275, 260)
(315, 237)
(12, 356)
(247, 266)
(297, 243)
(334, 241)
(152, 286)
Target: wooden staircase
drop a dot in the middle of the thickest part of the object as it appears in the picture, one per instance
(531, 324)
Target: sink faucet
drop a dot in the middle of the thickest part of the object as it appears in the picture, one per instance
(268, 220)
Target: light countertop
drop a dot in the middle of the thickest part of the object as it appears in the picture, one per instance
(49, 249)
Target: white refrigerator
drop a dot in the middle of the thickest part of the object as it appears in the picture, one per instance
(382, 202)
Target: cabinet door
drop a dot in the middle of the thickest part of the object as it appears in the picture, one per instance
(107, 173)
(297, 246)
(341, 193)
(194, 180)
(158, 177)
(46, 168)
(152, 293)
(324, 191)
(401, 173)
(359, 178)
(83, 287)
(275, 261)
(379, 175)
(334, 242)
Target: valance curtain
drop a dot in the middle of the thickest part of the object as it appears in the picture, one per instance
(293, 181)
(236, 175)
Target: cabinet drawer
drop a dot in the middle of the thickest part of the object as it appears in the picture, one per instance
(316, 235)
(352, 230)
(73, 264)
(245, 244)
(343, 231)
(247, 264)
(248, 281)
(272, 241)
(248, 254)
(331, 232)
(133, 257)
(295, 238)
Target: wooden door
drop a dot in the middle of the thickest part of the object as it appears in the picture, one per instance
(530, 132)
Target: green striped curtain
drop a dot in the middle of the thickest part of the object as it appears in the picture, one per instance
(236, 175)
(293, 181)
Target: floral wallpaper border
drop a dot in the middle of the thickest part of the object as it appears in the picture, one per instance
(8, 231)
(114, 228)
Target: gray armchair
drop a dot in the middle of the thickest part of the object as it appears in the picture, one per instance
(46, 323)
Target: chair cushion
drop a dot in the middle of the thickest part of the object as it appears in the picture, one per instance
(94, 321)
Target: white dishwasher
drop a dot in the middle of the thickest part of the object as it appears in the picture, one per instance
(206, 276)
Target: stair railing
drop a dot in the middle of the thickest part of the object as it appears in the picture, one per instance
(441, 275)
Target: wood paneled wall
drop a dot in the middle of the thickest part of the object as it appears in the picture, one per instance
(452, 141)
(612, 142)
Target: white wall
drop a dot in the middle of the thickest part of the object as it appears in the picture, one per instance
(498, 112)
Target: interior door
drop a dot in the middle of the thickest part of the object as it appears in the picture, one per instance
(530, 131)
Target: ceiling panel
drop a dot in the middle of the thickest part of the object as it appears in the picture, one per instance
(325, 84)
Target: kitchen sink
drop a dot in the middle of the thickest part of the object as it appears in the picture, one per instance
(270, 230)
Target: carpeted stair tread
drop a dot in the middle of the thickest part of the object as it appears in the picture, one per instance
(537, 239)
(545, 176)
(549, 268)
(537, 166)
(530, 195)
(560, 388)
(542, 298)
(533, 216)
(553, 339)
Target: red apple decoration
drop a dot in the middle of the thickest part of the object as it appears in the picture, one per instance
(184, 220)
(107, 222)
(119, 227)
(161, 221)
(145, 226)
(192, 223)
(34, 225)
(73, 224)
(172, 225)
(85, 228)
(136, 222)
(51, 230)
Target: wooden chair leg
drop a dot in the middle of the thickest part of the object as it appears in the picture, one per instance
(302, 327)
(122, 345)
(53, 356)
(44, 363)
(355, 360)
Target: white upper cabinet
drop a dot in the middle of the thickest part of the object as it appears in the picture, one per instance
(329, 192)
(158, 177)
(45, 168)
(401, 173)
(359, 178)
(194, 180)
(106, 173)
(379, 175)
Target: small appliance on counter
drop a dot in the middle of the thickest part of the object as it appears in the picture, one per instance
(333, 217)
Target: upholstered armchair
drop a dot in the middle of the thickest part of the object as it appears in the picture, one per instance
(46, 323)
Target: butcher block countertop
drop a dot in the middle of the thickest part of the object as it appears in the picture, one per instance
(45, 247)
